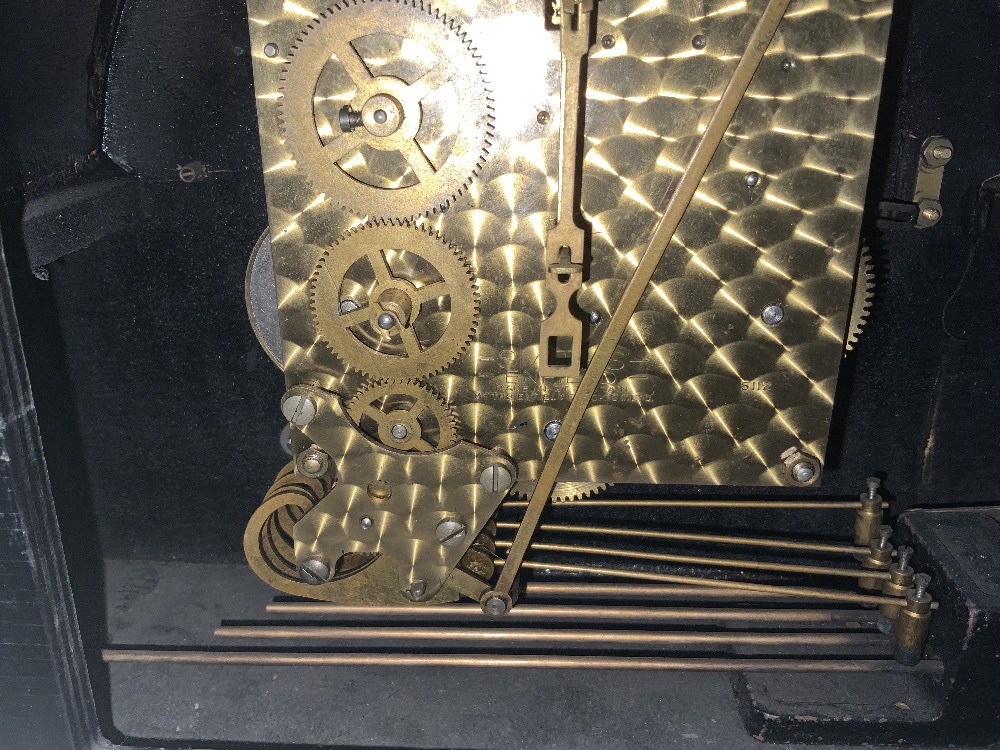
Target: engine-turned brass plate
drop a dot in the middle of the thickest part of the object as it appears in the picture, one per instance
(701, 390)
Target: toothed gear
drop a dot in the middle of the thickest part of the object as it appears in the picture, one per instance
(565, 492)
(394, 301)
(411, 92)
(405, 415)
(864, 292)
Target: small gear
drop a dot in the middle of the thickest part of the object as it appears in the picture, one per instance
(564, 492)
(864, 291)
(385, 107)
(405, 415)
(394, 301)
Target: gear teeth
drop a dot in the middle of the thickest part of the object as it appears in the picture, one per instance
(383, 204)
(566, 492)
(446, 419)
(366, 359)
(864, 294)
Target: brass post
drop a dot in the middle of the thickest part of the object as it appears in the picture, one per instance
(868, 517)
(879, 558)
(914, 623)
(900, 581)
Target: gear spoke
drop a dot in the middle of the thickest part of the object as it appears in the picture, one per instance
(388, 189)
(354, 317)
(352, 61)
(380, 265)
(430, 81)
(372, 412)
(429, 292)
(400, 350)
(372, 402)
(422, 166)
(410, 341)
(340, 146)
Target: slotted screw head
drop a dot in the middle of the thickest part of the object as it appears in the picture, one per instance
(496, 478)
(451, 532)
(298, 409)
(314, 570)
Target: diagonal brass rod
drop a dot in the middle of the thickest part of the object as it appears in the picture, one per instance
(741, 504)
(778, 590)
(577, 613)
(527, 661)
(504, 636)
(687, 536)
(711, 562)
(679, 200)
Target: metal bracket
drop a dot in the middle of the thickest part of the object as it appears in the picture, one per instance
(936, 152)
(925, 211)
(390, 502)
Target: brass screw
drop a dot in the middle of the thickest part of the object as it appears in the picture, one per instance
(903, 558)
(884, 535)
(920, 583)
(930, 214)
(942, 152)
(873, 484)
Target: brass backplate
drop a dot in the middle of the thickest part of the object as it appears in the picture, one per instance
(701, 389)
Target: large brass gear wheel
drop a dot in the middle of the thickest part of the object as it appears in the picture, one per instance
(394, 301)
(864, 292)
(385, 108)
(404, 415)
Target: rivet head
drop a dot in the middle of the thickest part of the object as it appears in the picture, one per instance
(379, 491)
(313, 462)
(366, 522)
(700, 41)
(417, 588)
(752, 179)
(399, 431)
(608, 41)
(551, 430)
(386, 321)
(803, 472)
(496, 604)
(543, 118)
(595, 318)
(270, 49)
(787, 64)
(930, 214)
(772, 314)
